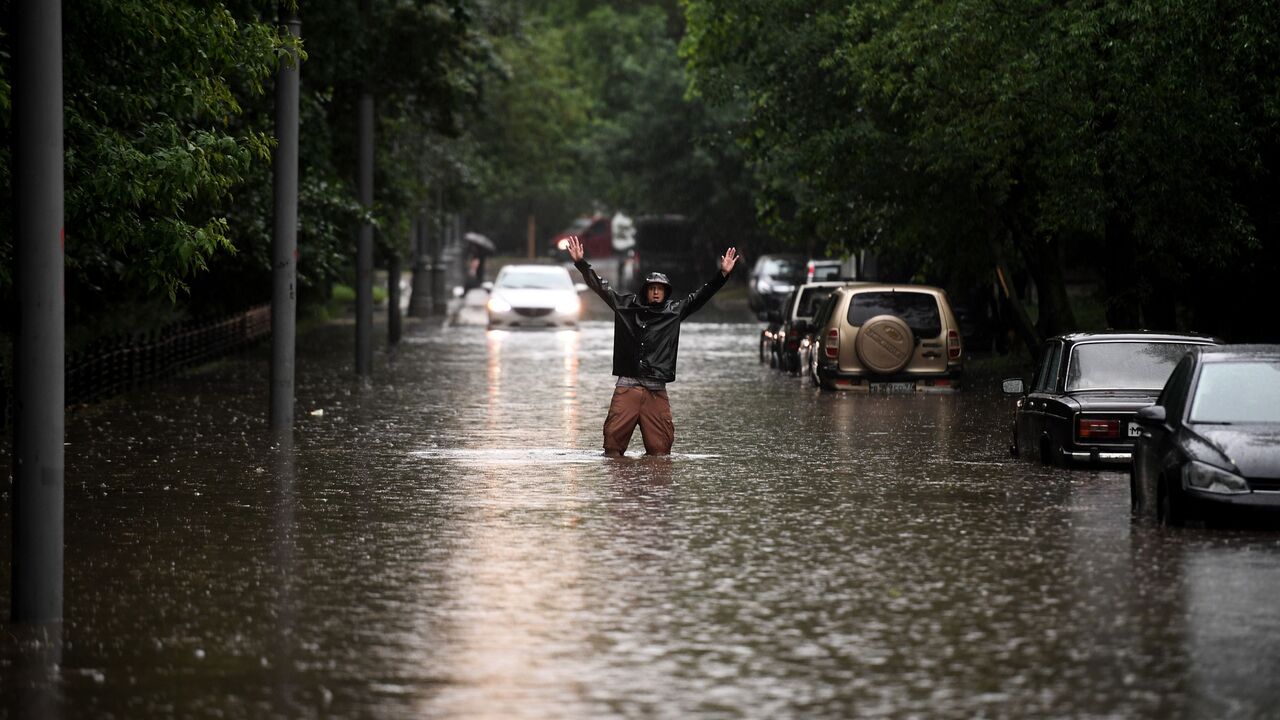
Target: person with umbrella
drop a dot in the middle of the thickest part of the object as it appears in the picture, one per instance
(480, 248)
(646, 338)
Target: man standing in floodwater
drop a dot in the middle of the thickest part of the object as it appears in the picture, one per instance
(646, 337)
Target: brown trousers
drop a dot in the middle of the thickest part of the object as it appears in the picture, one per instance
(651, 410)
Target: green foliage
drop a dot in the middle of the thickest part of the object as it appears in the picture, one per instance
(592, 116)
(1138, 138)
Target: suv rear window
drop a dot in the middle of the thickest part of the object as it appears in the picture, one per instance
(919, 310)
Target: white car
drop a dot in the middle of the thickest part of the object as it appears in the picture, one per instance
(534, 296)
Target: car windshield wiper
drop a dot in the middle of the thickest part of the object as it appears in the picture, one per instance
(1213, 422)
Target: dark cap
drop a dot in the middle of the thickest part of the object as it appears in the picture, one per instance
(657, 277)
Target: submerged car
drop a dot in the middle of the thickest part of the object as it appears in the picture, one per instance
(1087, 388)
(879, 337)
(534, 296)
(792, 322)
(1211, 442)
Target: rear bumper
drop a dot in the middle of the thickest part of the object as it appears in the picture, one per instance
(1098, 457)
(833, 379)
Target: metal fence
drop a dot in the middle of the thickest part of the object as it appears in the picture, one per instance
(112, 365)
(115, 364)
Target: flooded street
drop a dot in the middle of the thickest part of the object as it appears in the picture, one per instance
(448, 542)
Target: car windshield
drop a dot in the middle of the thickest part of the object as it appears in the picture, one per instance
(1123, 365)
(810, 300)
(533, 280)
(782, 267)
(1238, 392)
(919, 310)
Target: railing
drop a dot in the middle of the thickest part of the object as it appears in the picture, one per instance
(112, 365)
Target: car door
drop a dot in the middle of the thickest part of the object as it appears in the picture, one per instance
(1153, 447)
(1031, 418)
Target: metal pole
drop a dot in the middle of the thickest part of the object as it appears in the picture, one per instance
(531, 235)
(364, 243)
(393, 298)
(419, 294)
(40, 343)
(284, 245)
(438, 300)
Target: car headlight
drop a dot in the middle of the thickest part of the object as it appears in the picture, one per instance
(1208, 478)
(569, 307)
(499, 305)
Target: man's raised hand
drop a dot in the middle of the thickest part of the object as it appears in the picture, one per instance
(574, 246)
(728, 260)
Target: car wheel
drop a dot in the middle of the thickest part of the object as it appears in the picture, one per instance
(1134, 506)
(763, 357)
(1047, 457)
(1169, 507)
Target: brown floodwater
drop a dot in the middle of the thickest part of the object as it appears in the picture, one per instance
(446, 541)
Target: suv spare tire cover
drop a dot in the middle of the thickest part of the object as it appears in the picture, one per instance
(884, 344)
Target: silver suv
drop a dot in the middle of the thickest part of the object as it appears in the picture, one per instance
(887, 337)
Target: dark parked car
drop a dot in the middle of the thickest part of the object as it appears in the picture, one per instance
(1086, 390)
(772, 278)
(789, 324)
(1212, 440)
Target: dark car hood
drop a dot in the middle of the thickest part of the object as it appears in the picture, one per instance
(1113, 400)
(1253, 449)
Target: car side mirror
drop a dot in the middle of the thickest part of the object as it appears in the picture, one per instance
(580, 287)
(1152, 415)
(487, 285)
(1014, 386)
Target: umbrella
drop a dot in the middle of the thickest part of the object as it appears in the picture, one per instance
(480, 241)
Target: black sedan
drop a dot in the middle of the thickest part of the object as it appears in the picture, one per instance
(1086, 389)
(1212, 440)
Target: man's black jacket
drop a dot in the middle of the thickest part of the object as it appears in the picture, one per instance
(647, 337)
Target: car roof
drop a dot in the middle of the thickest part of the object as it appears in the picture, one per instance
(1103, 335)
(823, 284)
(1232, 353)
(860, 286)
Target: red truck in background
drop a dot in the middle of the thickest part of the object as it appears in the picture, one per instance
(595, 232)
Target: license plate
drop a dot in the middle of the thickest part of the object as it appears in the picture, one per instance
(893, 387)
(1135, 430)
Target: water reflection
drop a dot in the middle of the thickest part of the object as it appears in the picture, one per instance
(31, 657)
(283, 554)
(449, 542)
(548, 361)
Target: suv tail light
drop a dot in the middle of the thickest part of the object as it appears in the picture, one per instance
(953, 345)
(1097, 429)
(832, 346)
